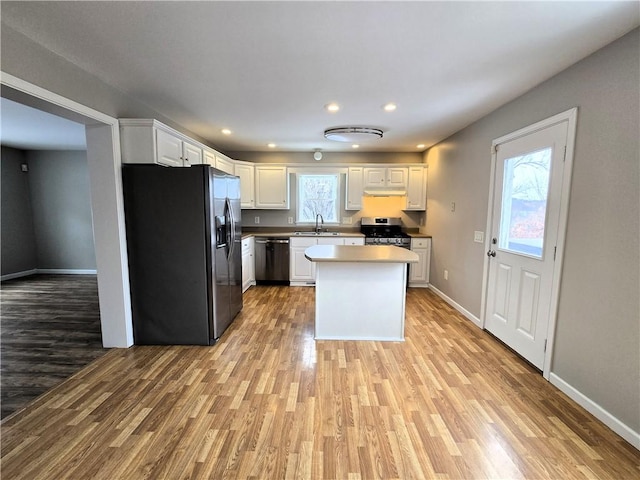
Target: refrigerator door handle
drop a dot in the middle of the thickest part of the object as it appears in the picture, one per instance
(231, 229)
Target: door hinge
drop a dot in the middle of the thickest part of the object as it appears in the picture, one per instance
(545, 344)
(494, 148)
(554, 253)
(564, 156)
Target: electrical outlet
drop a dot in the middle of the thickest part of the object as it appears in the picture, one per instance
(421, 221)
(346, 220)
(446, 274)
(290, 220)
(478, 237)
(256, 220)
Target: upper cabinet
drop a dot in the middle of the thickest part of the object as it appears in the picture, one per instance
(355, 188)
(225, 164)
(149, 141)
(209, 157)
(378, 177)
(245, 170)
(272, 187)
(417, 188)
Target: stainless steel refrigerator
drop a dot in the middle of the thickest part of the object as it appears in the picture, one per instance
(184, 245)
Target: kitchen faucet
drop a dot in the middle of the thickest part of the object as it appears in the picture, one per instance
(321, 223)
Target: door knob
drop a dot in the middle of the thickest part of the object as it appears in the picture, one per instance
(491, 253)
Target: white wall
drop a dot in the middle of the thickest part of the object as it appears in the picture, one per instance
(597, 344)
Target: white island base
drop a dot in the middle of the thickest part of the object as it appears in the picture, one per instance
(360, 294)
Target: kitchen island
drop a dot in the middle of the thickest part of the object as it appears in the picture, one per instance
(360, 291)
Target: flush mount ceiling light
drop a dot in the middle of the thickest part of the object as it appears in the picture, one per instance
(226, 131)
(352, 134)
(389, 107)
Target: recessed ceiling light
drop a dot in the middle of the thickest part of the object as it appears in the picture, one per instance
(355, 145)
(226, 131)
(271, 145)
(390, 107)
(332, 107)
(420, 145)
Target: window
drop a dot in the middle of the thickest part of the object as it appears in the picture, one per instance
(318, 194)
(524, 202)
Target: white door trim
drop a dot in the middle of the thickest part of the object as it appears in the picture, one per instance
(569, 116)
(107, 205)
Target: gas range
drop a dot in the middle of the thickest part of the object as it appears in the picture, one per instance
(384, 231)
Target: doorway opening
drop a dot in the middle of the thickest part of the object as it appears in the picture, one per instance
(107, 283)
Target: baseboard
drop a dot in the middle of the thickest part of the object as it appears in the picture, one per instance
(66, 271)
(457, 306)
(50, 271)
(597, 411)
(11, 276)
(418, 285)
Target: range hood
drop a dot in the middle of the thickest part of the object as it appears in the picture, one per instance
(385, 192)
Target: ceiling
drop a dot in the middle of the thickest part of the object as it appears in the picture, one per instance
(265, 70)
(31, 129)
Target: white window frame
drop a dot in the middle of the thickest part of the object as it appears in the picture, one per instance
(304, 172)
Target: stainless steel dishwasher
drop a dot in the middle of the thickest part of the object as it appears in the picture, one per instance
(272, 260)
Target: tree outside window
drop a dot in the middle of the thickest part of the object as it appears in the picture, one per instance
(317, 194)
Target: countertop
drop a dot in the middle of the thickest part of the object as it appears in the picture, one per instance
(360, 254)
(291, 233)
(284, 233)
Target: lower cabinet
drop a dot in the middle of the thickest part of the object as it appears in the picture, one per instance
(419, 272)
(248, 263)
(302, 272)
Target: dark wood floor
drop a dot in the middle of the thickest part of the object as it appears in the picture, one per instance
(50, 330)
(269, 402)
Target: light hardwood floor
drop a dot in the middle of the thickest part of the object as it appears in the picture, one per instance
(269, 402)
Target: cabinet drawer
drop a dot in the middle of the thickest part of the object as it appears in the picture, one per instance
(302, 242)
(420, 242)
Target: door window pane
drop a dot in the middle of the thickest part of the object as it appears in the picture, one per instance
(524, 203)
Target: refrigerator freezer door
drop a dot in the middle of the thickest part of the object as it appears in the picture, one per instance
(235, 253)
(222, 318)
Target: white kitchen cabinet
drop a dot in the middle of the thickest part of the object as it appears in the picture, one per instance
(354, 240)
(272, 187)
(225, 164)
(385, 177)
(209, 158)
(302, 272)
(419, 272)
(192, 154)
(355, 188)
(417, 189)
(248, 263)
(245, 170)
(149, 141)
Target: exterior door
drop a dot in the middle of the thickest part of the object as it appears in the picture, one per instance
(525, 223)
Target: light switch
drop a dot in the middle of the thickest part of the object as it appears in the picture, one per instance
(478, 237)
(453, 206)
